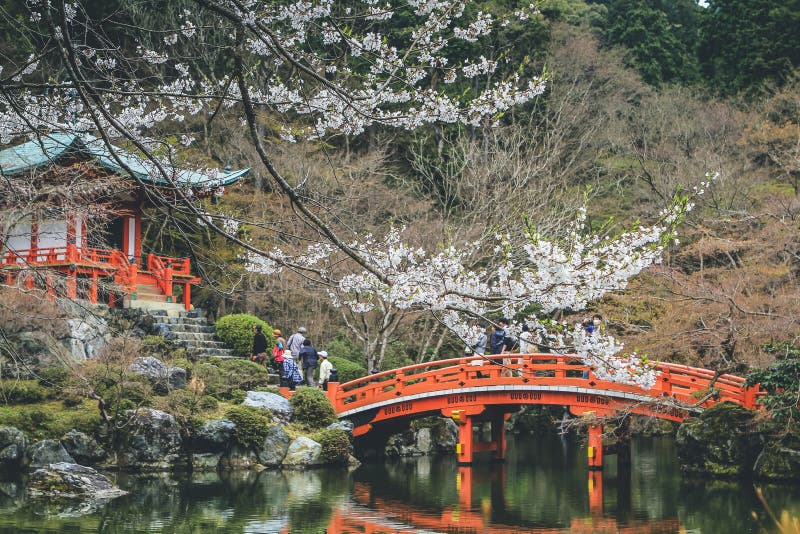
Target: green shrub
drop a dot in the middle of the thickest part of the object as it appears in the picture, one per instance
(70, 400)
(335, 445)
(312, 408)
(222, 377)
(238, 396)
(344, 347)
(208, 403)
(347, 370)
(53, 377)
(22, 391)
(251, 424)
(236, 331)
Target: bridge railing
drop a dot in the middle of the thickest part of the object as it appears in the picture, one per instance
(682, 383)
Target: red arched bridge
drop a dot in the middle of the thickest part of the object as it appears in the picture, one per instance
(477, 389)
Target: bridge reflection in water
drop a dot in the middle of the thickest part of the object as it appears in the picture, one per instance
(368, 514)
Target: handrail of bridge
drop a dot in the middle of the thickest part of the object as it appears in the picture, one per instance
(680, 383)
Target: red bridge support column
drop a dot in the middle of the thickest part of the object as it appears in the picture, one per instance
(464, 449)
(596, 493)
(595, 449)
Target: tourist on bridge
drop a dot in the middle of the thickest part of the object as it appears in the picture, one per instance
(259, 352)
(278, 355)
(498, 337)
(308, 360)
(291, 373)
(295, 343)
(479, 347)
(325, 368)
(526, 340)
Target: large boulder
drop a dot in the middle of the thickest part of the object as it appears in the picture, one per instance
(88, 335)
(84, 449)
(13, 445)
(46, 452)
(71, 480)
(303, 452)
(163, 377)
(274, 448)
(151, 441)
(214, 436)
(719, 442)
(278, 405)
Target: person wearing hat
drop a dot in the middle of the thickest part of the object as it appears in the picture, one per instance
(324, 370)
(295, 343)
(278, 354)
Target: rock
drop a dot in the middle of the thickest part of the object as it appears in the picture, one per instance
(778, 460)
(278, 405)
(303, 452)
(88, 335)
(345, 425)
(84, 449)
(274, 448)
(160, 329)
(207, 461)
(431, 435)
(214, 436)
(63, 479)
(718, 442)
(239, 458)
(163, 377)
(152, 441)
(13, 445)
(48, 451)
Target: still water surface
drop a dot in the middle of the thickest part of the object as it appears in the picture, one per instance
(543, 487)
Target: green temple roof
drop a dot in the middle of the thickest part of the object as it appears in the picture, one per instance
(49, 149)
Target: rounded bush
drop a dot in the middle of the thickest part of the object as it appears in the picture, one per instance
(22, 391)
(221, 377)
(335, 445)
(53, 377)
(236, 331)
(251, 423)
(347, 370)
(312, 408)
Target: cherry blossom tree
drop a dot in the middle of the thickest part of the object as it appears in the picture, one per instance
(321, 69)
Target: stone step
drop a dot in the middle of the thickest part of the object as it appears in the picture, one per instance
(193, 336)
(195, 343)
(211, 352)
(172, 309)
(175, 319)
(197, 328)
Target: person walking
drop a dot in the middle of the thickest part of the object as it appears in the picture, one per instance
(258, 353)
(308, 360)
(277, 355)
(295, 343)
(325, 368)
(291, 373)
(479, 348)
(525, 340)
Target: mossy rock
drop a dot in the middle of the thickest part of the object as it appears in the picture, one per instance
(721, 441)
(779, 460)
(336, 446)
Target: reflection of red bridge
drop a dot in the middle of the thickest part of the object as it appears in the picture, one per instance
(474, 389)
(373, 515)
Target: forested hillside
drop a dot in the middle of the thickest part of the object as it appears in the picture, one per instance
(643, 99)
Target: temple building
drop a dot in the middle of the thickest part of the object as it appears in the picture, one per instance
(71, 218)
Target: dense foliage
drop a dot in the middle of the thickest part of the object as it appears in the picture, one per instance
(251, 423)
(335, 443)
(781, 380)
(236, 331)
(312, 409)
(347, 369)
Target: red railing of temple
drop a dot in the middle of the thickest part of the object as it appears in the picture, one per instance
(680, 383)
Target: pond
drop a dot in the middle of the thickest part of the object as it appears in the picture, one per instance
(544, 486)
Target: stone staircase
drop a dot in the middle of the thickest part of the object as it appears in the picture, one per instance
(190, 329)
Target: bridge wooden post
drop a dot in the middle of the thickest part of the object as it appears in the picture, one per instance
(595, 449)
(464, 448)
